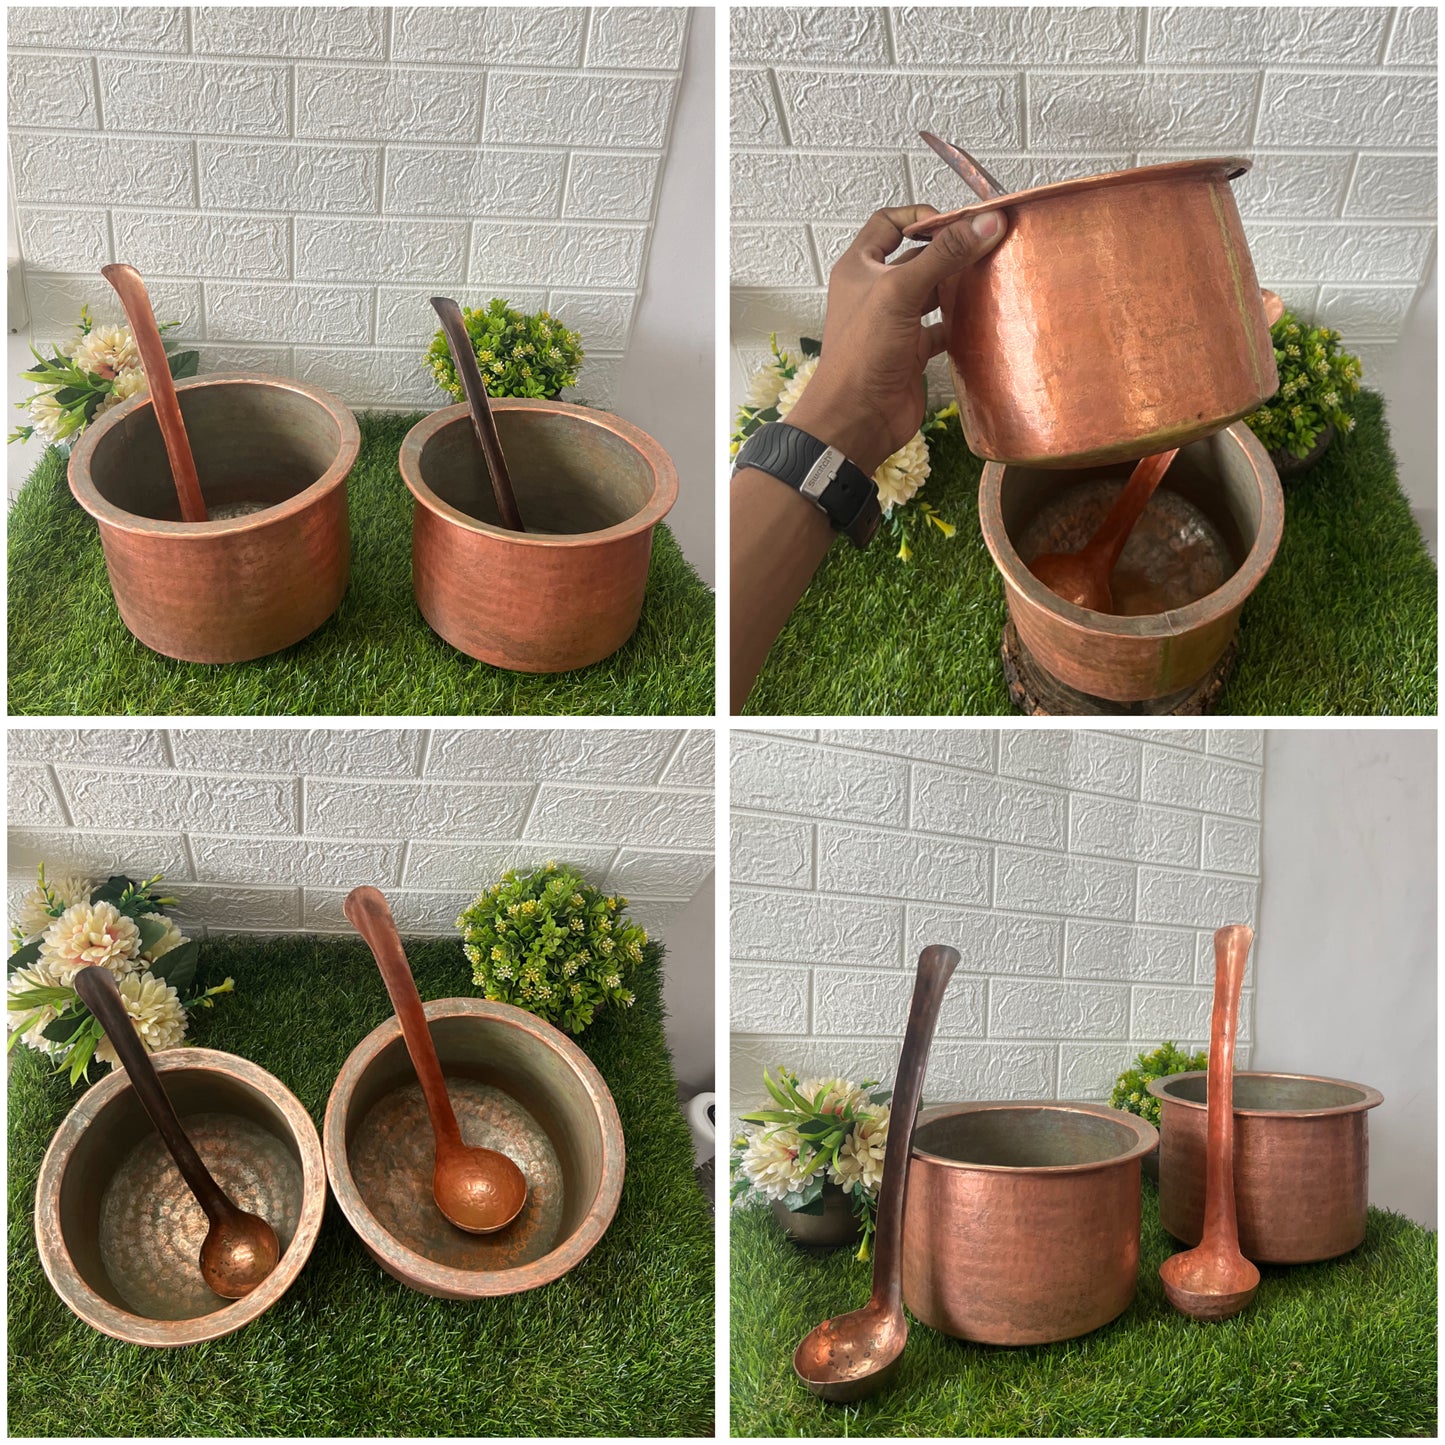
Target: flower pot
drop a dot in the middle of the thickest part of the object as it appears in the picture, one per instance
(568, 591)
(1288, 465)
(836, 1226)
(230, 590)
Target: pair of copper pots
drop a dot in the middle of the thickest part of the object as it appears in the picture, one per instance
(562, 595)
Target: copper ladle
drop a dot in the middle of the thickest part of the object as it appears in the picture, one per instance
(1214, 1280)
(479, 1190)
(849, 1357)
(483, 423)
(137, 303)
(240, 1248)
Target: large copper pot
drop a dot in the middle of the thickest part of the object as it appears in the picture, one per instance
(568, 591)
(1023, 1219)
(238, 588)
(1228, 478)
(1119, 316)
(1301, 1162)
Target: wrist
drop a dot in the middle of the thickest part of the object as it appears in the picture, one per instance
(854, 434)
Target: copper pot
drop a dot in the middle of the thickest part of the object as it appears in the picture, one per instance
(568, 591)
(1023, 1219)
(1228, 479)
(1119, 316)
(1301, 1162)
(120, 1234)
(247, 586)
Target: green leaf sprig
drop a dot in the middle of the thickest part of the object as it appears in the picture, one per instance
(518, 355)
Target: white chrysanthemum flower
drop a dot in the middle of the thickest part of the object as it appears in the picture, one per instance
(126, 385)
(765, 387)
(902, 474)
(771, 1163)
(796, 385)
(29, 1022)
(832, 1096)
(88, 934)
(171, 938)
(106, 352)
(155, 1011)
(35, 916)
(860, 1160)
(46, 415)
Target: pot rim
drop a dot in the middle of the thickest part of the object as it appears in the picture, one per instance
(1146, 1136)
(123, 1324)
(1371, 1097)
(476, 1284)
(1233, 594)
(85, 492)
(1232, 166)
(657, 506)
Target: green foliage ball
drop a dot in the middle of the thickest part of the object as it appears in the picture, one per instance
(518, 355)
(1131, 1091)
(1316, 382)
(552, 944)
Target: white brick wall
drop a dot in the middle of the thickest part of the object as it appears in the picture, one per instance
(1336, 106)
(268, 830)
(1080, 874)
(295, 182)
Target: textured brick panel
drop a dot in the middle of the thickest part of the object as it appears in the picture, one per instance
(471, 868)
(1373, 110)
(850, 1001)
(125, 747)
(1032, 1008)
(55, 302)
(611, 188)
(33, 797)
(1117, 829)
(809, 928)
(1281, 183)
(267, 176)
(1230, 846)
(1085, 761)
(382, 102)
(369, 752)
(96, 855)
(775, 851)
(404, 315)
(782, 187)
(1072, 111)
(1193, 739)
(775, 776)
(426, 180)
(1210, 784)
(1124, 952)
(1340, 252)
(1178, 1013)
(658, 875)
(259, 909)
(592, 255)
(237, 311)
(1051, 883)
(111, 799)
(961, 747)
(772, 255)
(945, 800)
(608, 110)
(853, 1058)
(1016, 35)
(403, 810)
(762, 999)
(853, 34)
(232, 246)
(754, 115)
(1198, 899)
(268, 360)
(641, 37)
(157, 171)
(63, 239)
(789, 313)
(484, 35)
(1366, 311)
(330, 32)
(1246, 745)
(1414, 40)
(647, 820)
(1294, 34)
(692, 764)
(331, 863)
(399, 250)
(1393, 186)
(987, 942)
(200, 96)
(414, 911)
(128, 27)
(536, 754)
(604, 318)
(990, 1071)
(51, 90)
(901, 866)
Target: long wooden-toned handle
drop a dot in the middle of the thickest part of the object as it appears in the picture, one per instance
(482, 420)
(935, 967)
(1231, 950)
(100, 994)
(137, 303)
(371, 917)
(1129, 506)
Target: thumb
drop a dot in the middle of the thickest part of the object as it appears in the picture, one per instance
(952, 250)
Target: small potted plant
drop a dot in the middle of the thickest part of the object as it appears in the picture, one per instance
(1131, 1091)
(517, 354)
(1316, 381)
(816, 1157)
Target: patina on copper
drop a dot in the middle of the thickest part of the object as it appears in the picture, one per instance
(517, 1085)
(1219, 512)
(1119, 316)
(1023, 1219)
(118, 1230)
(239, 587)
(1301, 1162)
(566, 593)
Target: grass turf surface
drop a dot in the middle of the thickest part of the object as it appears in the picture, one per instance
(1346, 1347)
(1344, 622)
(622, 1345)
(70, 653)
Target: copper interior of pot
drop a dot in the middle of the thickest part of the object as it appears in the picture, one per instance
(1024, 1138)
(255, 445)
(1277, 1094)
(569, 478)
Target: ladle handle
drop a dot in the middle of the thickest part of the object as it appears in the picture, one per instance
(482, 420)
(962, 164)
(1114, 531)
(1231, 950)
(370, 916)
(935, 967)
(99, 992)
(147, 335)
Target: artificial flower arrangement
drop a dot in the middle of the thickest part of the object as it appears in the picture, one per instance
(82, 378)
(821, 1131)
(774, 390)
(1316, 381)
(518, 355)
(70, 924)
(549, 942)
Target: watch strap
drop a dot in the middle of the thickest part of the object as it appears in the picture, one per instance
(843, 491)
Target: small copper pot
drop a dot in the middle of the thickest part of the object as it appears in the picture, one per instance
(1301, 1162)
(120, 1234)
(1022, 1224)
(1227, 477)
(230, 590)
(1119, 316)
(517, 1085)
(568, 591)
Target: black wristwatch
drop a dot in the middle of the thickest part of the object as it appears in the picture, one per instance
(821, 473)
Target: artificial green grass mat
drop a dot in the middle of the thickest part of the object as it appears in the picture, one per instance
(622, 1345)
(1346, 1347)
(1343, 623)
(70, 653)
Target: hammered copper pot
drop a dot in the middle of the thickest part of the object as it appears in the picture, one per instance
(119, 1232)
(1023, 1219)
(516, 1085)
(568, 591)
(241, 587)
(1119, 316)
(1226, 480)
(1301, 1162)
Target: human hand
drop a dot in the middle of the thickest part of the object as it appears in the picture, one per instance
(866, 397)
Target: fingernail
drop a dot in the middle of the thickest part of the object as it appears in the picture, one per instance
(987, 226)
